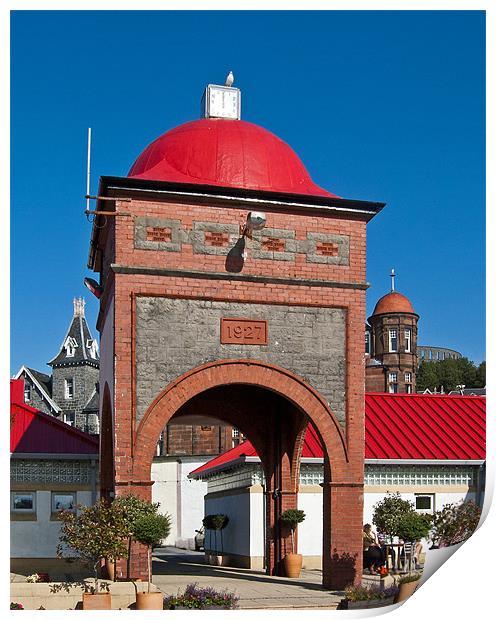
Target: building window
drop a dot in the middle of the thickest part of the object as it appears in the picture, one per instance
(63, 501)
(408, 377)
(69, 388)
(424, 503)
(27, 392)
(393, 382)
(70, 417)
(23, 502)
(408, 388)
(367, 342)
(70, 346)
(408, 340)
(393, 340)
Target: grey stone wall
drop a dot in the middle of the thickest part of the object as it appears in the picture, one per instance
(176, 335)
(85, 377)
(36, 400)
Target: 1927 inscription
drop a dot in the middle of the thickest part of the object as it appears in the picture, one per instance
(243, 331)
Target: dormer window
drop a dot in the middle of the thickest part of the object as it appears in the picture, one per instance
(92, 345)
(27, 392)
(70, 346)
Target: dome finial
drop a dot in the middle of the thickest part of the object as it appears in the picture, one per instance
(393, 275)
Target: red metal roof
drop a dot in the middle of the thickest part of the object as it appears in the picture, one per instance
(35, 432)
(226, 153)
(406, 427)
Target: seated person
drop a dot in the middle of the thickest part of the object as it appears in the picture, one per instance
(373, 556)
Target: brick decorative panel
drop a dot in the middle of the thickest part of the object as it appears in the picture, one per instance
(217, 239)
(271, 244)
(157, 233)
(275, 244)
(327, 249)
(154, 233)
(212, 238)
(243, 331)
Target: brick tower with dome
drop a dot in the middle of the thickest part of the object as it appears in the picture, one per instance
(233, 292)
(391, 345)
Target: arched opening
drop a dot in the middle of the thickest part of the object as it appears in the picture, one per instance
(271, 406)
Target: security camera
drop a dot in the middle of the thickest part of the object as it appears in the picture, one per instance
(255, 220)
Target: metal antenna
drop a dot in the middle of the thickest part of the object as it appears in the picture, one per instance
(393, 275)
(88, 163)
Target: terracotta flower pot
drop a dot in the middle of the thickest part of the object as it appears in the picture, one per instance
(102, 600)
(406, 590)
(110, 568)
(149, 600)
(292, 564)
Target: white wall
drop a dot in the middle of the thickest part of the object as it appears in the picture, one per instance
(39, 539)
(236, 536)
(180, 496)
(310, 531)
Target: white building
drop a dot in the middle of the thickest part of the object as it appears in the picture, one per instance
(430, 449)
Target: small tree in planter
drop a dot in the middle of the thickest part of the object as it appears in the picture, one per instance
(134, 508)
(93, 533)
(215, 523)
(455, 523)
(150, 530)
(292, 561)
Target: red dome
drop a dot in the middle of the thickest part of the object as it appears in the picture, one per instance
(227, 153)
(393, 302)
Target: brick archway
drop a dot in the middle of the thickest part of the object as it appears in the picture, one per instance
(342, 488)
(244, 372)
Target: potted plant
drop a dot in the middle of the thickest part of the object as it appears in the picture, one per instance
(292, 561)
(366, 597)
(133, 508)
(215, 523)
(195, 597)
(407, 586)
(149, 530)
(93, 533)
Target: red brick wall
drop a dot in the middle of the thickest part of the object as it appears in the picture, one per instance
(342, 529)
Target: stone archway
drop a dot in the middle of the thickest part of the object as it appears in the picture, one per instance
(343, 489)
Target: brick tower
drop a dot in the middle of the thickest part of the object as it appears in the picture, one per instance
(234, 289)
(391, 345)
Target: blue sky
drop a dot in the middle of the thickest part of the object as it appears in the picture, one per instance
(379, 105)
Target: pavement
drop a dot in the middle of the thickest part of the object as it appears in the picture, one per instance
(173, 569)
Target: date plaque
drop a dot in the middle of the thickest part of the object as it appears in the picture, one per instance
(243, 331)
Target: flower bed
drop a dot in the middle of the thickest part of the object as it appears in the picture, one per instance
(195, 597)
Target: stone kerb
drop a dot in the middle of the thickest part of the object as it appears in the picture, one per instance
(244, 371)
(61, 595)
